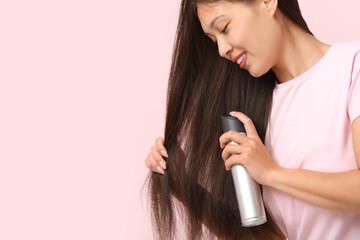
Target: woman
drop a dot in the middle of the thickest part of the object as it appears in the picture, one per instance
(299, 100)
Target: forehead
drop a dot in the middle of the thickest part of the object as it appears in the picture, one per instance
(208, 11)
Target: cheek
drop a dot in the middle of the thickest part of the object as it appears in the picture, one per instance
(265, 56)
(260, 63)
(272, 44)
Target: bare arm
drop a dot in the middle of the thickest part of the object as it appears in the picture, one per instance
(335, 191)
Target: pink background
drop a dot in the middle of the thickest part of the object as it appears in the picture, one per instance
(82, 99)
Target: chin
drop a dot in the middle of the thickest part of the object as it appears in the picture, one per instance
(257, 72)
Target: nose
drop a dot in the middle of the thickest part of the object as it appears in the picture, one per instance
(224, 48)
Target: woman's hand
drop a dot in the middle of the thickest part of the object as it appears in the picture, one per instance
(154, 160)
(251, 152)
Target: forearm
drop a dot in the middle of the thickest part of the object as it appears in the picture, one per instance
(334, 191)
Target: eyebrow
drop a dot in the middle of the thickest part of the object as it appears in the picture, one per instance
(213, 21)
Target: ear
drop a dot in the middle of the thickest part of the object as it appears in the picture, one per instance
(271, 6)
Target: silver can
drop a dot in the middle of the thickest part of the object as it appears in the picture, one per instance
(248, 192)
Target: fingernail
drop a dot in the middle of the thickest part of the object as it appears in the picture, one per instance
(160, 170)
(164, 153)
(162, 164)
(232, 113)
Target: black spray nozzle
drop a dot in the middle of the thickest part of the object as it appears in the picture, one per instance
(232, 123)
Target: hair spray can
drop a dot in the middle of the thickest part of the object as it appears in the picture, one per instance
(248, 193)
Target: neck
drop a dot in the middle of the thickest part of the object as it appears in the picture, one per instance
(299, 53)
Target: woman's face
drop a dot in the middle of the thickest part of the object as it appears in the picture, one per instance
(244, 28)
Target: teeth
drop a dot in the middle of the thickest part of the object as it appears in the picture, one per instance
(241, 58)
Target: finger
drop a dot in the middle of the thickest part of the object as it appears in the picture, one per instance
(154, 169)
(147, 163)
(158, 158)
(151, 162)
(234, 136)
(233, 160)
(159, 143)
(158, 170)
(154, 165)
(231, 149)
(248, 124)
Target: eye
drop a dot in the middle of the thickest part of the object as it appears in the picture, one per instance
(223, 31)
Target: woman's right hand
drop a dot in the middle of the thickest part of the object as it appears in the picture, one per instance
(154, 160)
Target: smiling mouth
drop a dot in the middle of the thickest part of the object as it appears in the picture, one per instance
(241, 58)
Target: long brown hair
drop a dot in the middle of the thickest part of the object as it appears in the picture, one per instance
(202, 87)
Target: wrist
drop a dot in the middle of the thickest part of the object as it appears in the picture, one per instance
(274, 177)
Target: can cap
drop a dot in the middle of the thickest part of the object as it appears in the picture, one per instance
(232, 123)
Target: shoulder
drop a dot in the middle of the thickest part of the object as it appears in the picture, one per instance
(348, 47)
(352, 51)
(346, 56)
(351, 64)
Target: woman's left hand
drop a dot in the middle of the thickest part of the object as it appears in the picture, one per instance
(251, 152)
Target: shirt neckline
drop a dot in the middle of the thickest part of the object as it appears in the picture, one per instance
(304, 75)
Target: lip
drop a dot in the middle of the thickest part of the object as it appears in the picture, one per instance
(237, 57)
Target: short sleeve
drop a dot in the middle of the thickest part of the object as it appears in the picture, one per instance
(354, 90)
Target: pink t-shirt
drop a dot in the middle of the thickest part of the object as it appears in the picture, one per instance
(310, 128)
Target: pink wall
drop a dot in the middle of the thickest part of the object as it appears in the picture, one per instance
(77, 78)
(332, 21)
